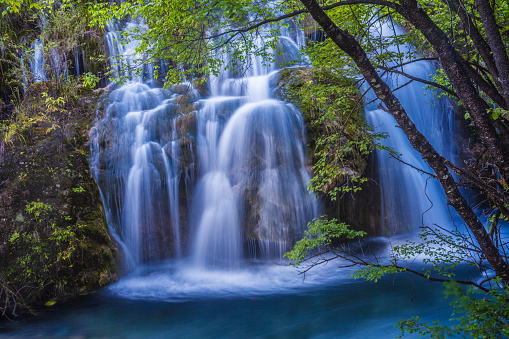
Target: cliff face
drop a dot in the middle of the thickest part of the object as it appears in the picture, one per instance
(54, 242)
(339, 145)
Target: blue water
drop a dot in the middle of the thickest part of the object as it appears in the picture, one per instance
(259, 300)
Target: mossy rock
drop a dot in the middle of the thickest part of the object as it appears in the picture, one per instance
(93, 48)
(202, 86)
(66, 250)
(292, 85)
(333, 117)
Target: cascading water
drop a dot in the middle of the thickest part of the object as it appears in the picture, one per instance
(80, 66)
(410, 198)
(254, 177)
(135, 155)
(44, 60)
(42, 57)
(254, 180)
(236, 161)
(141, 185)
(251, 193)
(256, 169)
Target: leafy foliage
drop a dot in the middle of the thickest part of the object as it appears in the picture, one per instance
(90, 80)
(197, 35)
(330, 105)
(340, 138)
(37, 262)
(320, 234)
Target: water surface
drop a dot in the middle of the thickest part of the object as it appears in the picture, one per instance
(259, 300)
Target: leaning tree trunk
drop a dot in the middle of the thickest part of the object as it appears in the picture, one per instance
(480, 44)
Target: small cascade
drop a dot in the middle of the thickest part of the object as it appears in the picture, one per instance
(80, 66)
(58, 63)
(142, 180)
(77, 61)
(124, 60)
(46, 60)
(37, 63)
(410, 198)
(136, 154)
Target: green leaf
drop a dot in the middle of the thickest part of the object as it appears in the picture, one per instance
(14, 237)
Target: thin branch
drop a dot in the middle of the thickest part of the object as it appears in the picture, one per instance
(356, 261)
(412, 166)
(427, 82)
(251, 27)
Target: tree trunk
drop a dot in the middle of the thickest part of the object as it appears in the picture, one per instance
(453, 65)
(480, 44)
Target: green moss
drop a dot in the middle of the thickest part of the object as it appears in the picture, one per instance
(93, 49)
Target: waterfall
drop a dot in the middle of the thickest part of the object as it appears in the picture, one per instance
(256, 169)
(124, 60)
(410, 198)
(216, 178)
(57, 63)
(53, 59)
(80, 66)
(142, 177)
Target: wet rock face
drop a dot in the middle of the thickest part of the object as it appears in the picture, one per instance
(202, 86)
(53, 235)
(361, 210)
